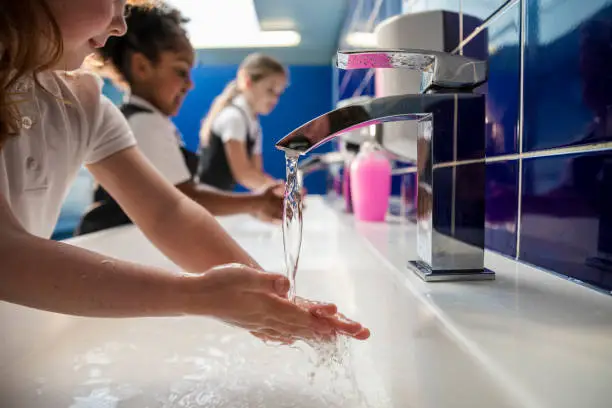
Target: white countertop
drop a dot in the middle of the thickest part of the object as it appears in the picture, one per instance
(548, 340)
(527, 339)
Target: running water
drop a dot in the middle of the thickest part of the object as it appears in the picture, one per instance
(331, 368)
(292, 221)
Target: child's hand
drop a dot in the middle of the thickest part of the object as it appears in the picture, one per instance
(341, 325)
(257, 301)
(269, 204)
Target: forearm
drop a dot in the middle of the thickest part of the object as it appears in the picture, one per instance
(190, 236)
(254, 179)
(65, 279)
(218, 202)
(183, 230)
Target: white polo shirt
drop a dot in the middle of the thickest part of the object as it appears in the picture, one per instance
(69, 125)
(159, 140)
(230, 124)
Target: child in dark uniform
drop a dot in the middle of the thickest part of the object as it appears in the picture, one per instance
(231, 136)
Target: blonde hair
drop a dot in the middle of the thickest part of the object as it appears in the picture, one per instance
(256, 67)
(30, 43)
(21, 56)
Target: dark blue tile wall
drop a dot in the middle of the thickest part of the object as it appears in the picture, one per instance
(354, 82)
(566, 218)
(568, 73)
(502, 204)
(500, 40)
(565, 196)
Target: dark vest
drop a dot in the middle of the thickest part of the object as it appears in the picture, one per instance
(214, 168)
(105, 211)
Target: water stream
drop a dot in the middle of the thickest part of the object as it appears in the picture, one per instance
(292, 221)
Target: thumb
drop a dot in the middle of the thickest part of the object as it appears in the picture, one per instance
(268, 283)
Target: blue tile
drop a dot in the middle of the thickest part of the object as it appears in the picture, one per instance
(568, 73)
(566, 220)
(350, 82)
(500, 44)
(481, 9)
(470, 204)
(501, 207)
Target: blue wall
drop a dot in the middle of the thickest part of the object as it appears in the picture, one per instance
(549, 172)
(308, 96)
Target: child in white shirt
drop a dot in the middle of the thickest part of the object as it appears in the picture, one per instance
(51, 122)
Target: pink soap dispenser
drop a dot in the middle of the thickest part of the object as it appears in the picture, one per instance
(370, 183)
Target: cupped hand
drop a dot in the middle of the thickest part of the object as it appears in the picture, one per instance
(256, 301)
(341, 325)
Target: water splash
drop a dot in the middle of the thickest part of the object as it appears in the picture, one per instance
(292, 221)
(333, 372)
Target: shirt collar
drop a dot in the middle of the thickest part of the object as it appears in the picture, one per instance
(241, 102)
(137, 100)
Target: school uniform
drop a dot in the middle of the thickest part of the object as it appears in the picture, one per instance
(236, 121)
(161, 142)
(63, 126)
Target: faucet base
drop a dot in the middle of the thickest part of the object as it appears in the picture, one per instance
(425, 272)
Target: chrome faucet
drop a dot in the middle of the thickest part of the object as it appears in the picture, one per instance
(320, 161)
(450, 152)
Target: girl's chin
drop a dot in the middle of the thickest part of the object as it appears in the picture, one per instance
(72, 61)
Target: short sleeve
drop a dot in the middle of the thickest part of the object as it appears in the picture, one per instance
(157, 140)
(109, 132)
(230, 125)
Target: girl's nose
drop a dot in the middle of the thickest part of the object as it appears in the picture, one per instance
(118, 27)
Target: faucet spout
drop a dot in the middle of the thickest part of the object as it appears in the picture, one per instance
(441, 73)
(448, 144)
(371, 112)
(334, 123)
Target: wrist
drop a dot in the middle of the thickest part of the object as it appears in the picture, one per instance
(254, 203)
(270, 182)
(190, 295)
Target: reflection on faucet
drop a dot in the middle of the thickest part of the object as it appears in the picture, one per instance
(451, 129)
(321, 161)
(439, 69)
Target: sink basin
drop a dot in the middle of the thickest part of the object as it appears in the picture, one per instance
(54, 361)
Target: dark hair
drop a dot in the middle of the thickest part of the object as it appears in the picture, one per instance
(150, 31)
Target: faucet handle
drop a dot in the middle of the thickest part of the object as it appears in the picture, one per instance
(440, 69)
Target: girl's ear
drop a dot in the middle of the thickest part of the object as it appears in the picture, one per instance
(141, 66)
